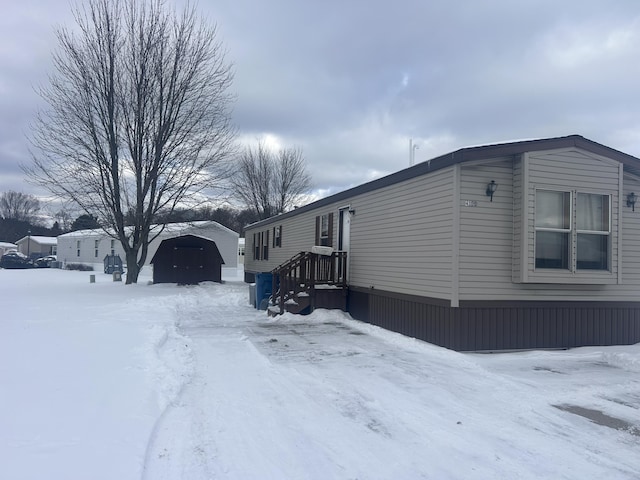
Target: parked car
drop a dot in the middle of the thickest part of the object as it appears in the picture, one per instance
(15, 259)
(45, 262)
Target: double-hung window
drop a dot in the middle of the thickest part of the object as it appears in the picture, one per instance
(553, 229)
(559, 227)
(593, 224)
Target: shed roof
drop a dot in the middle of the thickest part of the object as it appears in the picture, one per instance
(467, 154)
(181, 238)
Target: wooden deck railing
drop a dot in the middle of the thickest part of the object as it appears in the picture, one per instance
(304, 272)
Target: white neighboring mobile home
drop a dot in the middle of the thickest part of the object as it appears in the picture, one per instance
(91, 246)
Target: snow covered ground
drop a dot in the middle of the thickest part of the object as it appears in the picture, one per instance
(107, 381)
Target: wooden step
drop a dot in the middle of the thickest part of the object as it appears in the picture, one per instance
(299, 304)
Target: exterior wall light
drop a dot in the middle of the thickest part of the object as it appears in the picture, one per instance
(631, 201)
(492, 186)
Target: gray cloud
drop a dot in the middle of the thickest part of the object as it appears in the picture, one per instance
(352, 82)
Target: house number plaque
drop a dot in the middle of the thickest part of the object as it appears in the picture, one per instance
(470, 203)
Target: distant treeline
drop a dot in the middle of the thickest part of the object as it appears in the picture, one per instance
(12, 230)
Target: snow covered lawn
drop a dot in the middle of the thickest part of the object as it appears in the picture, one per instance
(107, 381)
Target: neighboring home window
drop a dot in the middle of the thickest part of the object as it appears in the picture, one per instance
(324, 230)
(257, 241)
(553, 229)
(95, 246)
(78, 248)
(593, 225)
(558, 227)
(113, 247)
(265, 245)
(277, 236)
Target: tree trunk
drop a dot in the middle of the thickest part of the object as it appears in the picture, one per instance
(132, 268)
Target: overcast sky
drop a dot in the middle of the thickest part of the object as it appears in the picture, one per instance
(350, 82)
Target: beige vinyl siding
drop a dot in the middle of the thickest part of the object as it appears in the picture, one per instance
(630, 240)
(400, 236)
(518, 220)
(298, 234)
(486, 229)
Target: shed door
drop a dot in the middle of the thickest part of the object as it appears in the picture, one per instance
(188, 264)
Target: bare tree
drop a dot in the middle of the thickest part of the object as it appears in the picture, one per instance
(270, 183)
(19, 206)
(138, 117)
(64, 219)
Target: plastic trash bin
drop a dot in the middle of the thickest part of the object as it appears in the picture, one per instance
(263, 287)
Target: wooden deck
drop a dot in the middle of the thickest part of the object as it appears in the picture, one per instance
(308, 281)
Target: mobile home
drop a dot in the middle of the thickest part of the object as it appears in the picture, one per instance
(529, 244)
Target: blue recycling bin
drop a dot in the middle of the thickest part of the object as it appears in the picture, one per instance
(263, 287)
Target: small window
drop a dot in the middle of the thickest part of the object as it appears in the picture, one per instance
(77, 248)
(553, 229)
(257, 241)
(265, 245)
(277, 236)
(95, 246)
(324, 230)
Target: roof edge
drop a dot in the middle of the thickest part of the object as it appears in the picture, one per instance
(465, 154)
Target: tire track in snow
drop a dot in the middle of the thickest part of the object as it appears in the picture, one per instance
(181, 444)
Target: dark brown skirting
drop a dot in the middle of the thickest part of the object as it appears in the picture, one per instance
(494, 325)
